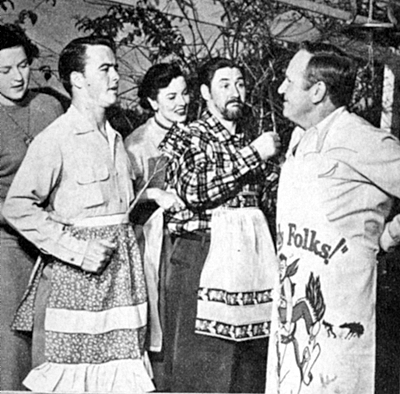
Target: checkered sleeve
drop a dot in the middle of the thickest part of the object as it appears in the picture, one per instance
(208, 173)
(175, 142)
(269, 193)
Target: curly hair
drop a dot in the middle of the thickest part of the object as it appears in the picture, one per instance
(207, 70)
(157, 77)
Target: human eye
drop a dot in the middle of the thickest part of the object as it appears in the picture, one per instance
(24, 64)
(105, 68)
(5, 70)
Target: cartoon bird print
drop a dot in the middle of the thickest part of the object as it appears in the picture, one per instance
(310, 309)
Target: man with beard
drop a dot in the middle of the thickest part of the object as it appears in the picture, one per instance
(223, 263)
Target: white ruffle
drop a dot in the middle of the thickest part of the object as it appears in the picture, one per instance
(118, 376)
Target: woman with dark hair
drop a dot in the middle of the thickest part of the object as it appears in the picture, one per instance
(23, 114)
(164, 92)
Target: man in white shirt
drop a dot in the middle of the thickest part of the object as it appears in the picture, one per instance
(335, 193)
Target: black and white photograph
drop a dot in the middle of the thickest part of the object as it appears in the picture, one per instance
(200, 196)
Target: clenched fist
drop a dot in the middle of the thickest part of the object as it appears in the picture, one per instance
(98, 255)
(267, 145)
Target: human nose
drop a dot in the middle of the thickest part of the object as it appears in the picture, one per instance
(183, 100)
(235, 91)
(115, 75)
(282, 87)
(17, 74)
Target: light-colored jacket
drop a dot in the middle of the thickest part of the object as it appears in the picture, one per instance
(71, 170)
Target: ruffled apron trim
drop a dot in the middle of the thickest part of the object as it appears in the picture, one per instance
(117, 376)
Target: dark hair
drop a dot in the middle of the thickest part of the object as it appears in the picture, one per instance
(208, 69)
(14, 36)
(332, 66)
(157, 77)
(73, 57)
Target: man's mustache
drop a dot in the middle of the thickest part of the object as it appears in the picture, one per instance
(235, 101)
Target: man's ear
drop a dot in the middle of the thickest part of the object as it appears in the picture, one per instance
(76, 79)
(319, 92)
(205, 92)
(153, 104)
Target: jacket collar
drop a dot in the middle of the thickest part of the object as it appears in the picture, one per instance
(80, 124)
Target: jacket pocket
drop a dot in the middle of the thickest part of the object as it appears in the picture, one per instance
(93, 185)
(92, 175)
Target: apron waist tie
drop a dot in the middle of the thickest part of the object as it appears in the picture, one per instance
(108, 220)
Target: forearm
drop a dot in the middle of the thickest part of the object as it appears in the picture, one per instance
(203, 181)
(34, 183)
(35, 224)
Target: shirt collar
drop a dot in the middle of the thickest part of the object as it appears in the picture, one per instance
(323, 127)
(217, 128)
(312, 139)
(82, 125)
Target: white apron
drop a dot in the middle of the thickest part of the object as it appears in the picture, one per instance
(234, 298)
(324, 314)
(153, 231)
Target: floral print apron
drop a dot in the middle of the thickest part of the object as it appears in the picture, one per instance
(95, 324)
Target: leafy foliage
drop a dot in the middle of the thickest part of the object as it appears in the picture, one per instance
(23, 15)
(26, 14)
(244, 34)
(143, 22)
(5, 4)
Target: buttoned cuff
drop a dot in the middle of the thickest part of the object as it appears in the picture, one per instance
(72, 252)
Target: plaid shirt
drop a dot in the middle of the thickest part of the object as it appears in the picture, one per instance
(209, 167)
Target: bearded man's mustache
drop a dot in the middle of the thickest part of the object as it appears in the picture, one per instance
(235, 101)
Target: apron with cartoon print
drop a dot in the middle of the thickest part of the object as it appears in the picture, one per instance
(323, 336)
